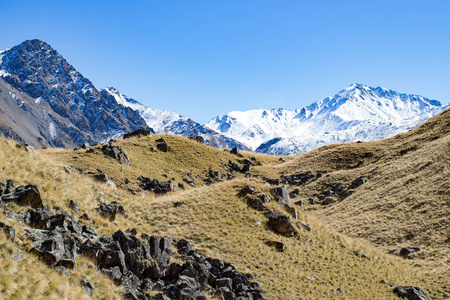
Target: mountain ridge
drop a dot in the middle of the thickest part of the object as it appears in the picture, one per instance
(358, 112)
(78, 112)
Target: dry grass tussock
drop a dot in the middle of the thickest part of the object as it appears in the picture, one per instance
(406, 199)
(215, 219)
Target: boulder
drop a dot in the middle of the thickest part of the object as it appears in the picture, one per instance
(235, 150)
(405, 252)
(248, 189)
(74, 206)
(281, 224)
(162, 145)
(49, 246)
(137, 133)
(9, 231)
(281, 195)
(105, 178)
(410, 292)
(27, 195)
(87, 286)
(111, 210)
(198, 139)
(358, 182)
(117, 153)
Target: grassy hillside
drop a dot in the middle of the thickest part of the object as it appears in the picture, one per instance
(217, 221)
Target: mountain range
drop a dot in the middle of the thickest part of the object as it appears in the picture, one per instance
(357, 113)
(44, 101)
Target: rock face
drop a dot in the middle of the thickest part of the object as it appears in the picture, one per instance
(410, 292)
(49, 103)
(117, 153)
(281, 224)
(153, 185)
(139, 265)
(138, 133)
(24, 195)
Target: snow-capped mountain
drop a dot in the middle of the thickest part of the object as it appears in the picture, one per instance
(46, 102)
(162, 121)
(357, 113)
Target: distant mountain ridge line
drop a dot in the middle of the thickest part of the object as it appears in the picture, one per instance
(56, 106)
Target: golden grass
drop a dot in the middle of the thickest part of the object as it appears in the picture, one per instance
(218, 222)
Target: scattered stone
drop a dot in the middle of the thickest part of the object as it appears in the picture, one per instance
(74, 206)
(311, 277)
(327, 201)
(153, 185)
(105, 178)
(248, 189)
(299, 203)
(85, 217)
(138, 133)
(278, 245)
(311, 201)
(405, 252)
(363, 255)
(117, 153)
(162, 145)
(189, 181)
(235, 150)
(24, 195)
(410, 292)
(111, 210)
(18, 257)
(198, 139)
(281, 224)
(87, 286)
(85, 146)
(306, 225)
(9, 231)
(281, 195)
(358, 182)
(281, 160)
(256, 203)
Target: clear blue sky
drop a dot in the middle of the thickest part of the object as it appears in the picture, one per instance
(206, 58)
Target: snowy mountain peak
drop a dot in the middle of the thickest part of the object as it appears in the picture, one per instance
(359, 112)
(162, 121)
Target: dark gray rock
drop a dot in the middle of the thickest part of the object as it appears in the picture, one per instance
(248, 189)
(278, 245)
(138, 133)
(49, 246)
(87, 286)
(410, 292)
(405, 252)
(358, 182)
(9, 231)
(105, 179)
(117, 153)
(162, 145)
(281, 224)
(235, 150)
(111, 210)
(327, 201)
(281, 195)
(74, 206)
(25, 195)
(198, 138)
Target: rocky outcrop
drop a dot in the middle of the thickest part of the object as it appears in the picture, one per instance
(153, 185)
(139, 265)
(411, 292)
(25, 195)
(138, 133)
(281, 224)
(162, 145)
(117, 153)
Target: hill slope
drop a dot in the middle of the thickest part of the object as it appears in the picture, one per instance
(216, 219)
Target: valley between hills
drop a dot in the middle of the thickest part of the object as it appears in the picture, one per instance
(153, 216)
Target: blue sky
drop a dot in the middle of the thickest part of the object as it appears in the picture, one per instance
(206, 58)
